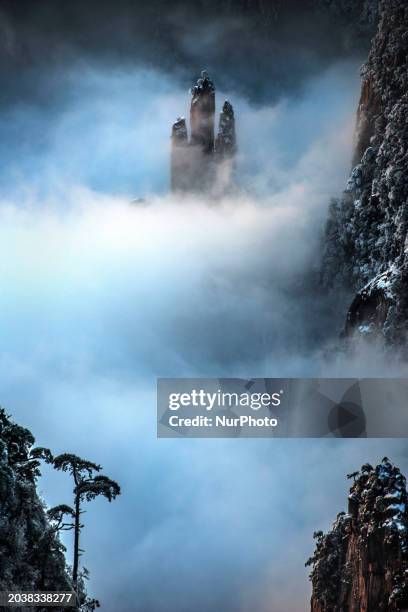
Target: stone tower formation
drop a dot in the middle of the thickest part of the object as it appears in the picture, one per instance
(204, 163)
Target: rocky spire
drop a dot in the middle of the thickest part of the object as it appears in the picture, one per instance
(202, 111)
(199, 165)
(362, 563)
(179, 156)
(225, 145)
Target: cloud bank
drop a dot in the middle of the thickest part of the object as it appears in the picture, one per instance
(101, 296)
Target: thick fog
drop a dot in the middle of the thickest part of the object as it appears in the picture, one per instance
(108, 282)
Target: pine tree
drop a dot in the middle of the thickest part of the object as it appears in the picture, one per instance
(88, 485)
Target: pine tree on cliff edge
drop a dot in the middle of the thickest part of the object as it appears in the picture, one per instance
(88, 485)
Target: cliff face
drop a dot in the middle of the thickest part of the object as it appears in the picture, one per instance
(31, 554)
(366, 235)
(361, 565)
(203, 163)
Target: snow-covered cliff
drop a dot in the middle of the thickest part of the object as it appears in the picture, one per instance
(31, 554)
(366, 235)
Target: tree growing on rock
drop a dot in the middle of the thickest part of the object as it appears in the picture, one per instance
(88, 485)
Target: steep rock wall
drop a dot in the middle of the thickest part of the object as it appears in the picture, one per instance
(366, 235)
(361, 564)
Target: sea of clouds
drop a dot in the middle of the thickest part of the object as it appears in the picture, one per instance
(108, 282)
